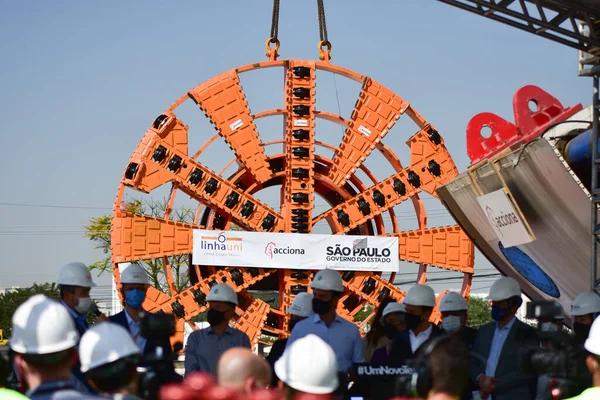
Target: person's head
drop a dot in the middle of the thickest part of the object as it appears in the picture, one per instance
(505, 295)
(327, 288)
(592, 345)
(44, 339)
(419, 303)
(301, 308)
(308, 365)
(377, 330)
(134, 285)
(222, 301)
(392, 319)
(454, 312)
(447, 359)
(75, 283)
(109, 358)
(243, 370)
(553, 323)
(584, 310)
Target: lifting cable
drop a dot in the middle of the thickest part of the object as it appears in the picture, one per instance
(272, 52)
(324, 41)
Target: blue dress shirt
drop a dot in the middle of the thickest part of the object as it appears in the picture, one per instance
(343, 337)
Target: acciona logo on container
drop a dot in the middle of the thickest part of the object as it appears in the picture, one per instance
(271, 249)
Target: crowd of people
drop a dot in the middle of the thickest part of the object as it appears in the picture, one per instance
(56, 355)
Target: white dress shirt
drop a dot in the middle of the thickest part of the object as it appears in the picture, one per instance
(417, 340)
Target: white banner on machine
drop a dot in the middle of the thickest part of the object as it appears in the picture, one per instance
(295, 251)
(505, 219)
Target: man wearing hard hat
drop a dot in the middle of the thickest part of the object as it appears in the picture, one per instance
(109, 359)
(499, 343)
(308, 365)
(75, 283)
(454, 318)
(44, 338)
(592, 345)
(205, 346)
(300, 309)
(585, 310)
(134, 285)
(419, 303)
(343, 336)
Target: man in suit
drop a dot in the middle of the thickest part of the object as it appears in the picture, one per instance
(495, 369)
(74, 284)
(134, 285)
(454, 318)
(419, 303)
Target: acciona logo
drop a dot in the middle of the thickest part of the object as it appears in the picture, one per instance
(501, 221)
(271, 249)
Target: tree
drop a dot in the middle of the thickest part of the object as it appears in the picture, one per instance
(479, 312)
(12, 299)
(98, 231)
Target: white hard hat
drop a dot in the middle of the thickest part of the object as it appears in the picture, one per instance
(302, 305)
(133, 273)
(75, 274)
(453, 301)
(586, 303)
(420, 295)
(42, 326)
(103, 344)
(592, 344)
(308, 365)
(222, 292)
(393, 307)
(327, 279)
(504, 288)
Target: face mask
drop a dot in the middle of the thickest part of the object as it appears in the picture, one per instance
(320, 306)
(582, 331)
(84, 305)
(215, 317)
(499, 314)
(390, 331)
(452, 324)
(548, 327)
(412, 320)
(134, 298)
(292, 324)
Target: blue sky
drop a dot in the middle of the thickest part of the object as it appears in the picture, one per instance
(80, 82)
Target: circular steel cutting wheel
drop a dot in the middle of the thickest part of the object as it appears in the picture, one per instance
(356, 206)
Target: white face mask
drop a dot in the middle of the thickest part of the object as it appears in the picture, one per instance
(451, 324)
(548, 327)
(84, 305)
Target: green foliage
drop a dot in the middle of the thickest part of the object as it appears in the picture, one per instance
(479, 312)
(11, 300)
(363, 314)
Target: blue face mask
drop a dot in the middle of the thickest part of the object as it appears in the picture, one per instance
(499, 314)
(134, 298)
